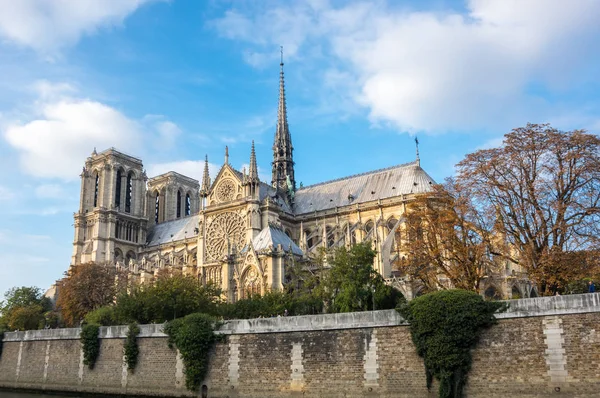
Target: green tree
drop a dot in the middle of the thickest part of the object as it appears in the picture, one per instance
(353, 285)
(23, 309)
(167, 298)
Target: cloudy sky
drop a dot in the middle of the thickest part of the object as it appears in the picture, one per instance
(171, 81)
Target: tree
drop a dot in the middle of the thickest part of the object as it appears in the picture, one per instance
(446, 240)
(353, 285)
(543, 186)
(167, 298)
(24, 308)
(86, 288)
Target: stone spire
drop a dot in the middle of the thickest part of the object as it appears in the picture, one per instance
(205, 179)
(226, 154)
(283, 162)
(253, 169)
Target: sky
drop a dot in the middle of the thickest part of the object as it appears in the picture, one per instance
(172, 81)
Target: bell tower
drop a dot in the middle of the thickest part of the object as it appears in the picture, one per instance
(111, 222)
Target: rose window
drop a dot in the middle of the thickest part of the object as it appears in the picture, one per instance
(224, 234)
(226, 191)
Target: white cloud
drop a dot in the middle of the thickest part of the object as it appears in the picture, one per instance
(57, 141)
(433, 71)
(47, 26)
(48, 90)
(168, 133)
(189, 168)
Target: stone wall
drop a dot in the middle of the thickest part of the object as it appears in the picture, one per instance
(541, 347)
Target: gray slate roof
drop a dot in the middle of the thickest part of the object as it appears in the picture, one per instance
(172, 230)
(408, 178)
(273, 236)
(403, 179)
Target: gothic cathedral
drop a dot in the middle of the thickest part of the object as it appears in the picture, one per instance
(236, 231)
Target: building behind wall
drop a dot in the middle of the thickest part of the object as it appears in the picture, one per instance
(237, 231)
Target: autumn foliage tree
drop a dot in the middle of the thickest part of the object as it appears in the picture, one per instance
(86, 288)
(447, 242)
(542, 185)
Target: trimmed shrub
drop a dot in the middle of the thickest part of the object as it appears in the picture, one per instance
(194, 337)
(90, 344)
(445, 326)
(130, 346)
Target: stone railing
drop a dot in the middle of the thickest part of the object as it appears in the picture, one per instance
(523, 308)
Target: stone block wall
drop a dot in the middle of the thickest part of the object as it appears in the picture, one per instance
(551, 348)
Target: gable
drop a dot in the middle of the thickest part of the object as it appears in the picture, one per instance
(227, 186)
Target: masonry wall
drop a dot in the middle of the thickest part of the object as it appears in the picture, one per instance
(542, 347)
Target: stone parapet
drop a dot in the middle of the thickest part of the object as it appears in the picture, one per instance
(523, 308)
(554, 305)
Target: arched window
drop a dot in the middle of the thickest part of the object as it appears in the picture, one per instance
(369, 228)
(391, 223)
(251, 283)
(130, 256)
(117, 229)
(188, 204)
(491, 293)
(156, 206)
(129, 192)
(96, 186)
(516, 293)
(118, 189)
(118, 255)
(178, 204)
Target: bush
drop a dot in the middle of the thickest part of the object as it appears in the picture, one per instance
(166, 299)
(194, 337)
(445, 326)
(271, 304)
(103, 316)
(130, 346)
(90, 343)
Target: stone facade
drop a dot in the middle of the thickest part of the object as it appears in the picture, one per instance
(340, 355)
(242, 233)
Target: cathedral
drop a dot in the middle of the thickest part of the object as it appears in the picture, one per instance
(237, 231)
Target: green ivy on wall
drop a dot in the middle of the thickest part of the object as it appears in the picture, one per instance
(90, 344)
(130, 346)
(445, 326)
(194, 337)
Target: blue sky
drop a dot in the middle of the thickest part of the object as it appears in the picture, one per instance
(171, 81)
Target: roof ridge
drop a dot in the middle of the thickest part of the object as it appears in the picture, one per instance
(360, 174)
